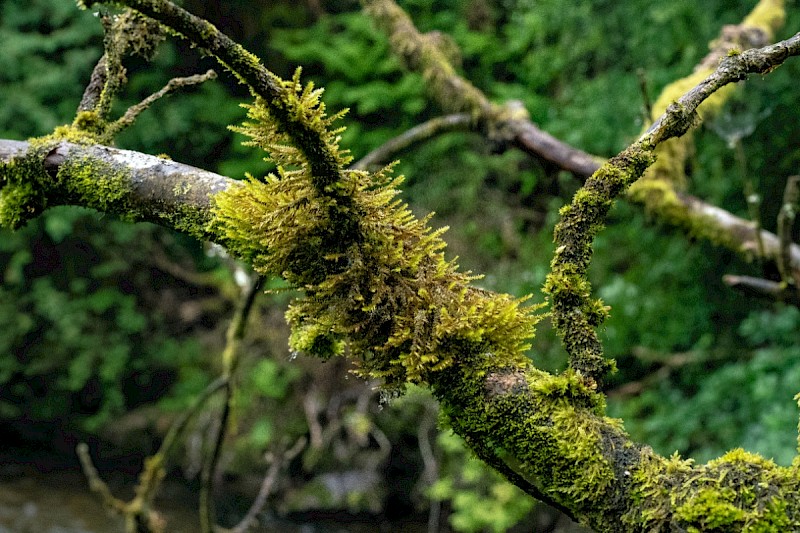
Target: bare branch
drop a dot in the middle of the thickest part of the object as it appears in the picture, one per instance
(786, 216)
(435, 126)
(230, 359)
(763, 288)
(173, 85)
(278, 462)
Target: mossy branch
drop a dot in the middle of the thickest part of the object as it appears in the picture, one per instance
(575, 314)
(660, 197)
(411, 316)
(45, 173)
(427, 53)
(302, 125)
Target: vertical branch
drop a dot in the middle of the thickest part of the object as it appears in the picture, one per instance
(752, 197)
(575, 314)
(230, 360)
(786, 216)
(647, 103)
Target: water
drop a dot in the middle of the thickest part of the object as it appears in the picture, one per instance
(59, 501)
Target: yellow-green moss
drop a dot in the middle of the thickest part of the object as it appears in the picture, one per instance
(386, 287)
(372, 273)
(768, 15)
(429, 55)
(28, 189)
(96, 184)
(740, 491)
(552, 429)
(574, 313)
(23, 187)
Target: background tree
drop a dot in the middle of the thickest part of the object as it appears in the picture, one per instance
(689, 331)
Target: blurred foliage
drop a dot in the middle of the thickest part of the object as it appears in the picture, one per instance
(91, 328)
(81, 336)
(48, 51)
(481, 500)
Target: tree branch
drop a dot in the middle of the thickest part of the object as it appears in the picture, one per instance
(688, 212)
(575, 314)
(421, 132)
(139, 186)
(277, 96)
(402, 306)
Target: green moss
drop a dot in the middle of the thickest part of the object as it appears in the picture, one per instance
(18, 203)
(711, 510)
(574, 313)
(372, 273)
(740, 491)
(385, 287)
(768, 15)
(93, 183)
(24, 186)
(552, 429)
(86, 123)
(28, 189)
(428, 54)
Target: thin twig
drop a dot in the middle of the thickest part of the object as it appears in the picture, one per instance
(430, 464)
(91, 95)
(324, 161)
(647, 103)
(752, 198)
(279, 460)
(230, 359)
(135, 110)
(96, 483)
(139, 510)
(207, 509)
(435, 126)
(786, 216)
(763, 288)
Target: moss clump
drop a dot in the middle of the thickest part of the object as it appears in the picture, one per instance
(552, 429)
(740, 491)
(23, 186)
(382, 284)
(768, 15)
(93, 183)
(372, 273)
(432, 55)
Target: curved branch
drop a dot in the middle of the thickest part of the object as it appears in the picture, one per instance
(421, 132)
(575, 314)
(679, 209)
